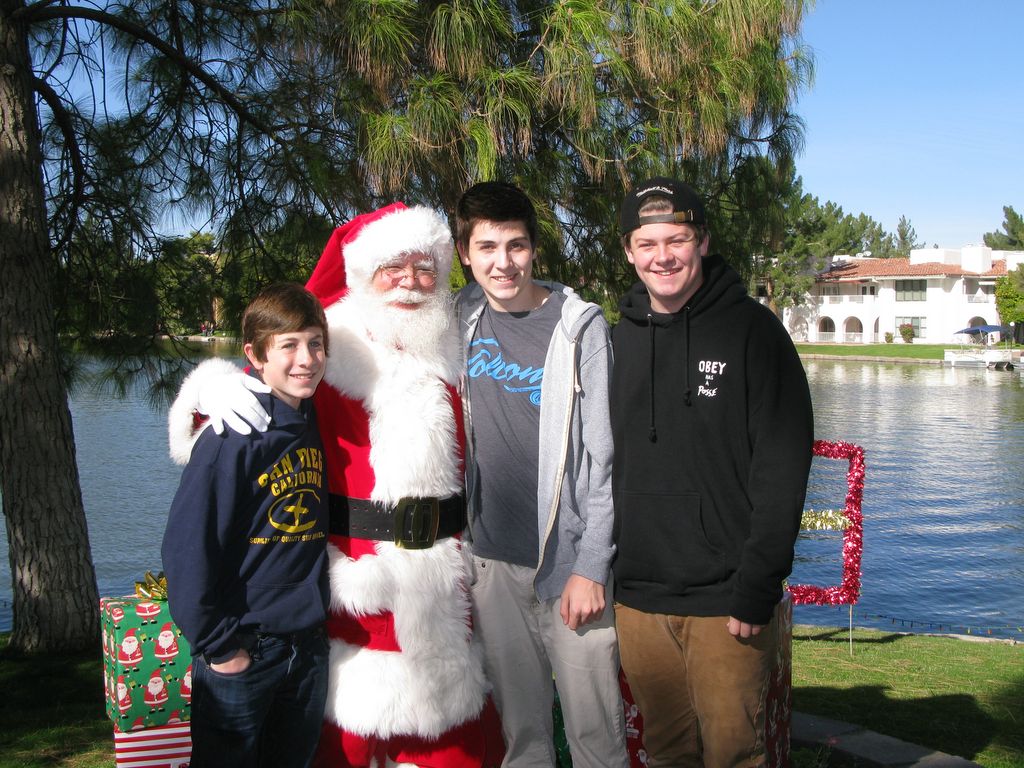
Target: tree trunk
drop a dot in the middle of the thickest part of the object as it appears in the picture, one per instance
(773, 305)
(55, 595)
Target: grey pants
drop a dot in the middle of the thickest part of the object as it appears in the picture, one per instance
(525, 643)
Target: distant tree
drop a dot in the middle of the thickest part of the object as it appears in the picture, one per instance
(1012, 236)
(185, 282)
(829, 231)
(873, 238)
(1010, 296)
(906, 238)
(247, 262)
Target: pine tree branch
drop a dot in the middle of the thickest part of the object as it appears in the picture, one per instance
(63, 119)
(42, 12)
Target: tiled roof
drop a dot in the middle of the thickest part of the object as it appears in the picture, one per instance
(864, 269)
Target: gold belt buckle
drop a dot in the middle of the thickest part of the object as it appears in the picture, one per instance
(420, 517)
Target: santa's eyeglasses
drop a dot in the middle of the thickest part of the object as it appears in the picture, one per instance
(422, 275)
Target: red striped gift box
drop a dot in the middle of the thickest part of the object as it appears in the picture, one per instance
(163, 746)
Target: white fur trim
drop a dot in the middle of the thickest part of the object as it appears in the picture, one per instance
(412, 424)
(181, 433)
(411, 229)
(437, 680)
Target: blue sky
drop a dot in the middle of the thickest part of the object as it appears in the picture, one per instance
(917, 109)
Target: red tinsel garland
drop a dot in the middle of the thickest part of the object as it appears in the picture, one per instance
(853, 537)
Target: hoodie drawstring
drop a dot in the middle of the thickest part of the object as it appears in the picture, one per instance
(686, 354)
(652, 433)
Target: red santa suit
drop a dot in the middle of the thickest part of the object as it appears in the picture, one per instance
(124, 696)
(147, 611)
(406, 681)
(166, 646)
(156, 691)
(185, 686)
(129, 653)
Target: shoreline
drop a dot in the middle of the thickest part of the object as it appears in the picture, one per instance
(871, 358)
(200, 339)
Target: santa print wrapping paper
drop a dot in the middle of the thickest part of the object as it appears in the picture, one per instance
(164, 746)
(778, 703)
(147, 672)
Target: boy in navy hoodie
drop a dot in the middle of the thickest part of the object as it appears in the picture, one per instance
(245, 554)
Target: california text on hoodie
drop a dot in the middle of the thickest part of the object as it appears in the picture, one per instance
(713, 428)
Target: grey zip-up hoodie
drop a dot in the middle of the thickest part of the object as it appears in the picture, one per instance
(574, 491)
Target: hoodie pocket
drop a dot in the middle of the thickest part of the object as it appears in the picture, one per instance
(663, 539)
(285, 607)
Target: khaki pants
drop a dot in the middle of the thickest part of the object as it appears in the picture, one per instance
(700, 690)
(525, 643)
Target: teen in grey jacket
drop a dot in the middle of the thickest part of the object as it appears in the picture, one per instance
(574, 491)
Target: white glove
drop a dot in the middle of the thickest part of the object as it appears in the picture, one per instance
(229, 399)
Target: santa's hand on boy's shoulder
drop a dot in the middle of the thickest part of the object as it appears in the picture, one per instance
(228, 399)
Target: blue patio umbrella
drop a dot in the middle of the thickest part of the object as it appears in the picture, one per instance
(986, 329)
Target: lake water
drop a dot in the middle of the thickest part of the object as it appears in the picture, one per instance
(943, 499)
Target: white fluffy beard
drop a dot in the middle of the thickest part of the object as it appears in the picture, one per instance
(418, 331)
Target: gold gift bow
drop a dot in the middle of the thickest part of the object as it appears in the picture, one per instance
(152, 587)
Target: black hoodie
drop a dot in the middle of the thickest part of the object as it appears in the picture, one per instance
(713, 428)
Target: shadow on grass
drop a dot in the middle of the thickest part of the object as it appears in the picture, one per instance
(1008, 705)
(951, 723)
(52, 711)
(842, 635)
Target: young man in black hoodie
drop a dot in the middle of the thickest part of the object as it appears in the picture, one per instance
(712, 423)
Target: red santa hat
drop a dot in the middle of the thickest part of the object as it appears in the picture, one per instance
(166, 627)
(369, 241)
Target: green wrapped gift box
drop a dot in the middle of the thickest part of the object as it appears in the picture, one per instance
(147, 664)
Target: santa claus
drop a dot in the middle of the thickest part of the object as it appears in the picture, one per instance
(165, 647)
(156, 692)
(124, 696)
(185, 687)
(129, 652)
(406, 678)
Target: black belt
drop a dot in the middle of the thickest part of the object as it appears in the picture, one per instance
(412, 523)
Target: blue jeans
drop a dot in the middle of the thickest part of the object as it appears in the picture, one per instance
(268, 715)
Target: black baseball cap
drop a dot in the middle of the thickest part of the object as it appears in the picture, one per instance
(687, 207)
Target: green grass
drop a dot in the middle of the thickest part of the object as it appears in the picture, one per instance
(913, 351)
(895, 350)
(956, 696)
(963, 698)
(52, 711)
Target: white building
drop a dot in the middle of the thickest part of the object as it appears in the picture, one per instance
(937, 290)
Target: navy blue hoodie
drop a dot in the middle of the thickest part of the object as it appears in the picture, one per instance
(245, 545)
(713, 429)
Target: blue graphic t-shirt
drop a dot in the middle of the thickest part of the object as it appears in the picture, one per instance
(505, 369)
